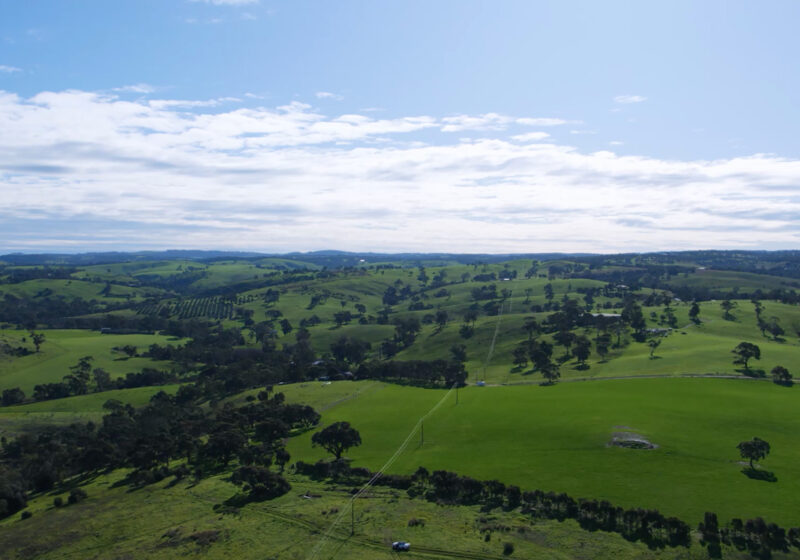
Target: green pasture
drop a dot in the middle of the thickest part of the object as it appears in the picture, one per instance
(73, 289)
(168, 520)
(556, 438)
(18, 419)
(63, 348)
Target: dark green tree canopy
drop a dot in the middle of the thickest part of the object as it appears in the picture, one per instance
(753, 450)
(337, 438)
(745, 351)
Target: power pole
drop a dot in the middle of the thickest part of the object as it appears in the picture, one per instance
(456, 394)
(422, 434)
(353, 517)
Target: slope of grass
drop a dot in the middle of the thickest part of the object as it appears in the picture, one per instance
(165, 521)
(63, 348)
(555, 438)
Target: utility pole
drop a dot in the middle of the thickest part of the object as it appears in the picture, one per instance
(456, 394)
(353, 517)
(422, 434)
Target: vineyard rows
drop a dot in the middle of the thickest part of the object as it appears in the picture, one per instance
(212, 307)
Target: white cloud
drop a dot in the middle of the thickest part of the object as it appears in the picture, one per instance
(328, 95)
(136, 88)
(616, 143)
(97, 171)
(530, 136)
(629, 99)
(541, 122)
(9, 69)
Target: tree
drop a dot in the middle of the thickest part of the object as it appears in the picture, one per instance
(459, 353)
(727, 305)
(79, 378)
(441, 319)
(694, 312)
(745, 351)
(37, 339)
(582, 349)
(774, 328)
(603, 342)
(531, 326)
(753, 450)
(780, 375)
(520, 355)
(337, 438)
(551, 373)
(12, 396)
(654, 343)
(347, 350)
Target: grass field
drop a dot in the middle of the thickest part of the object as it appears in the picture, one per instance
(28, 418)
(63, 348)
(164, 521)
(555, 438)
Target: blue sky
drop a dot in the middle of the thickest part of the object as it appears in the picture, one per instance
(393, 126)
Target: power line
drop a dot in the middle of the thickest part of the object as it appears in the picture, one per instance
(371, 482)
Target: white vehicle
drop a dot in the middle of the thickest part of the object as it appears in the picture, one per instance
(401, 546)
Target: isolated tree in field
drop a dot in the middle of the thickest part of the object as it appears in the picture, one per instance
(37, 339)
(753, 450)
(781, 375)
(528, 292)
(694, 313)
(548, 291)
(744, 352)
(470, 316)
(654, 343)
(727, 306)
(441, 318)
(337, 438)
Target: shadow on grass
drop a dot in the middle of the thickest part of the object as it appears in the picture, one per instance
(756, 474)
(581, 367)
(754, 373)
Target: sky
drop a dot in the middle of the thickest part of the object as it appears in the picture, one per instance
(447, 126)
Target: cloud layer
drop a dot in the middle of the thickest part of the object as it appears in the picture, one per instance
(85, 171)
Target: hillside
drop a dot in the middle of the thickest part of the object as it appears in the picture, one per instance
(131, 371)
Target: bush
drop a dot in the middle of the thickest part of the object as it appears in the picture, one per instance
(58, 501)
(76, 495)
(508, 549)
(26, 514)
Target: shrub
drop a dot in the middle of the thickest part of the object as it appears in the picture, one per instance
(58, 501)
(508, 549)
(76, 495)
(26, 514)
